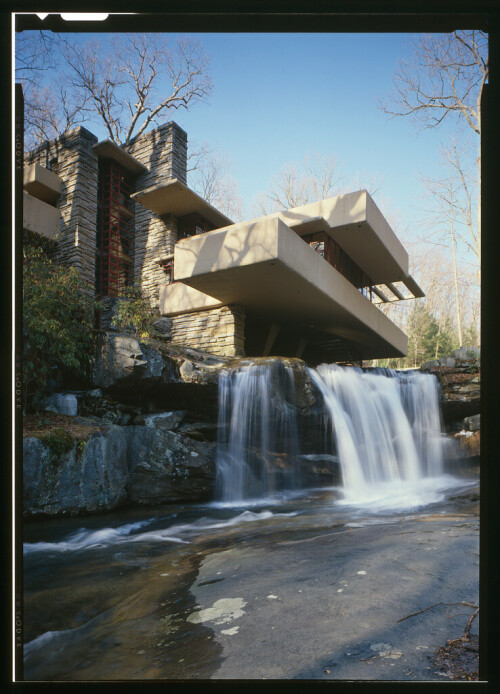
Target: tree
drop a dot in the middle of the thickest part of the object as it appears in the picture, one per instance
(48, 108)
(317, 178)
(445, 76)
(427, 339)
(58, 321)
(444, 79)
(127, 86)
(139, 80)
(210, 177)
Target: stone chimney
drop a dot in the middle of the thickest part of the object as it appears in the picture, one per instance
(164, 152)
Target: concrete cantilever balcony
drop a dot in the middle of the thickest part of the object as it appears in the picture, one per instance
(42, 189)
(40, 217)
(265, 266)
(42, 184)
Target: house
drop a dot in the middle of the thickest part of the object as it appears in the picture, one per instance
(305, 282)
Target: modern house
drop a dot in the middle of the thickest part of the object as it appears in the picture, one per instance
(304, 282)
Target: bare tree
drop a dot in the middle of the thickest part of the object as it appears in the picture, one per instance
(48, 108)
(35, 54)
(446, 76)
(128, 85)
(138, 81)
(315, 179)
(451, 217)
(210, 177)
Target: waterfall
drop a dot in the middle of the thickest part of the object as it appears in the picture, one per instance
(257, 440)
(385, 429)
(387, 426)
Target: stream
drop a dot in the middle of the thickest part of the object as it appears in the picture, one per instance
(364, 580)
(116, 597)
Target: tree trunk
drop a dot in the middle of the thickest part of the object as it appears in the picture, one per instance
(455, 273)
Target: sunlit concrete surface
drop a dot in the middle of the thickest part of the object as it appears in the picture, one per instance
(40, 217)
(42, 183)
(265, 266)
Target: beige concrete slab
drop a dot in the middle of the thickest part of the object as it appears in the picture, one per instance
(357, 225)
(40, 217)
(179, 298)
(174, 197)
(42, 183)
(110, 150)
(265, 266)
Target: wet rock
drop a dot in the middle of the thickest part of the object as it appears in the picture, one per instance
(164, 420)
(132, 464)
(163, 326)
(165, 466)
(319, 470)
(472, 423)
(91, 477)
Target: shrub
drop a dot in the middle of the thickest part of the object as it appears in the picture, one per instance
(133, 312)
(58, 325)
(59, 440)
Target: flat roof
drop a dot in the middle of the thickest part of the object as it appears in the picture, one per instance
(111, 150)
(174, 197)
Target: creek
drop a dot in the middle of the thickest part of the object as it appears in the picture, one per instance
(255, 583)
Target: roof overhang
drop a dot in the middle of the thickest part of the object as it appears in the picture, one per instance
(264, 266)
(357, 225)
(174, 197)
(110, 150)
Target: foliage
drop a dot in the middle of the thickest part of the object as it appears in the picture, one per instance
(59, 441)
(427, 340)
(58, 324)
(132, 312)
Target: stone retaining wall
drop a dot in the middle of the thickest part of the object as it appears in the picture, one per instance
(219, 330)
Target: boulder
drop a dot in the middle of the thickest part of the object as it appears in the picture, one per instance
(91, 477)
(163, 326)
(123, 362)
(166, 466)
(121, 465)
(472, 423)
(165, 420)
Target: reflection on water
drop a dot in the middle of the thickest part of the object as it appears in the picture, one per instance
(108, 597)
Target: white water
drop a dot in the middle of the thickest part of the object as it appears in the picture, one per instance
(84, 539)
(388, 433)
(257, 441)
(385, 427)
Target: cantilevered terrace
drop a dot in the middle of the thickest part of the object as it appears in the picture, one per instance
(312, 273)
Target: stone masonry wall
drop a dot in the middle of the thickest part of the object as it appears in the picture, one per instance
(164, 152)
(218, 331)
(76, 163)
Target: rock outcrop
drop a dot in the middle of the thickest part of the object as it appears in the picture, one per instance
(459, 377)
(120, 465)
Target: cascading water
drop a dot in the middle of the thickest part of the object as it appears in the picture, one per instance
(385, 428)
(388, 431)
(257, 441)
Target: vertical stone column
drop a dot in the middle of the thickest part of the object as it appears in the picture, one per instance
(164, 152)
(72, 158)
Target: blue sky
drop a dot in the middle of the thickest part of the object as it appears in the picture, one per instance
(279, 97)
